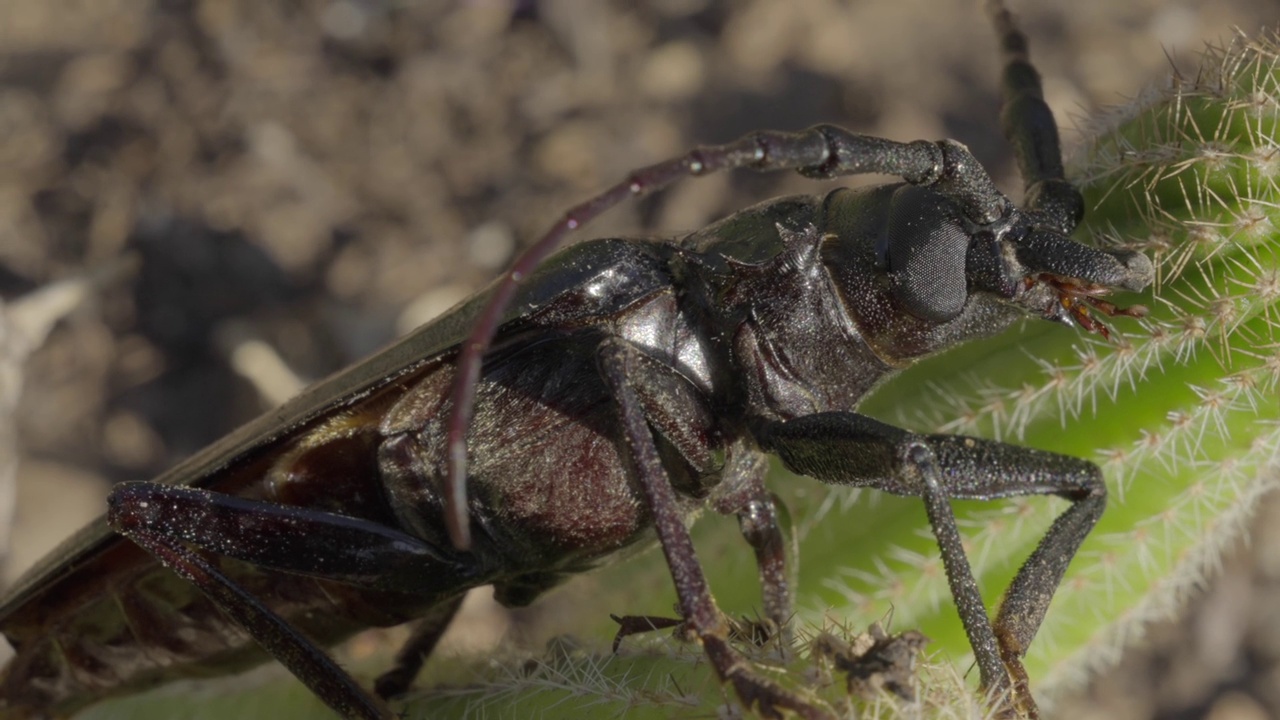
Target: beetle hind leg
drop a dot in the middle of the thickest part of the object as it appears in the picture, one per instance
(415, 651)
(183, 526)
(304, 659)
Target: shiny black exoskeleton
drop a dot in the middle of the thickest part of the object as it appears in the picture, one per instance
(628, 383)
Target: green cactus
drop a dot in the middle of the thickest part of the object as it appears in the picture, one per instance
(1180, 409)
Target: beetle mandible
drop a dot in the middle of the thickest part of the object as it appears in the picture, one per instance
(636, 364)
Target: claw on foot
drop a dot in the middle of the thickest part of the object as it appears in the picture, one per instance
(629, 625)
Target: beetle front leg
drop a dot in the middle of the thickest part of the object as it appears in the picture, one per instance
(852, 449)
(618, 362)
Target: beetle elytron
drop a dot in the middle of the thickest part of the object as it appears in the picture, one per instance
(545, 425)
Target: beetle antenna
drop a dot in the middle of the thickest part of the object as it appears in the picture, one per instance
(470, 357)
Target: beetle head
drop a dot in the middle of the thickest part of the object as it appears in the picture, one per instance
(935, 258)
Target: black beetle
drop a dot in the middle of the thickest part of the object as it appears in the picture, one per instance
(622, 370)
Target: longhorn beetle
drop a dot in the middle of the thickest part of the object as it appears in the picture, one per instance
(586, 402)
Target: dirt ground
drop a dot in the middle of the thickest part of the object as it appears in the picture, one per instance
(318, 175)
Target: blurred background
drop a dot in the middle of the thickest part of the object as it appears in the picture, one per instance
(262, 193)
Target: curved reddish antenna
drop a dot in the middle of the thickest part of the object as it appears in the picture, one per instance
(473, 348)
(762, 150)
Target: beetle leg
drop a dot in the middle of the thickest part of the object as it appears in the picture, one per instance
(618, 362)
(740, 492)
(743, 493)
(417, 649)
(851, 449)
(166, 519)
(309, 663)
(629, 625)
(291, 539)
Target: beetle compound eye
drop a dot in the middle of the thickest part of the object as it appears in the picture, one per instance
(926, 251)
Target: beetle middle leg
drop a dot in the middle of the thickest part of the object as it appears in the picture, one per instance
(851, 449)
(620, 363)
(168, 521)
(743, 493)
